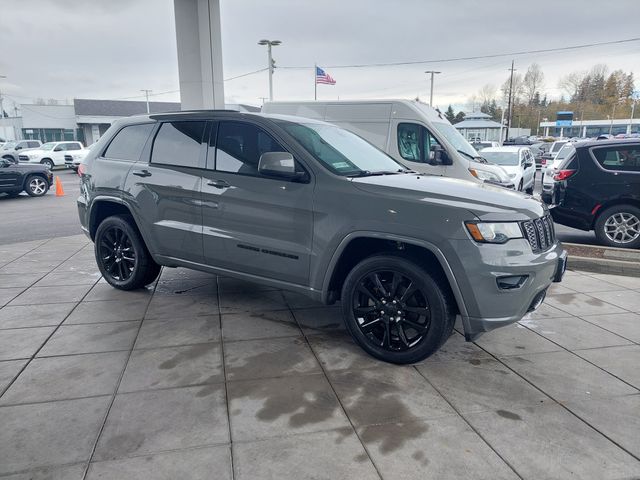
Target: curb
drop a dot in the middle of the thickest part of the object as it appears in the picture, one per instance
(616, 261)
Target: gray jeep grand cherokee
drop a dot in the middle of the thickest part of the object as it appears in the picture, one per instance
(307, 206)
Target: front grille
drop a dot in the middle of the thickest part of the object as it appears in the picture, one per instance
(68, 159)
(23, 158)
(539, 233)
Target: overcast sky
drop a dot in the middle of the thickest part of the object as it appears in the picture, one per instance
(113, 48)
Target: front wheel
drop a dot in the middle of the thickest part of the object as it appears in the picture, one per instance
(619, 226)
(122, 257)
(37, 186)
(395, 310)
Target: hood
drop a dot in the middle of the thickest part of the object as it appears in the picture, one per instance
(512, 169)
(28, 166)
(483, 200)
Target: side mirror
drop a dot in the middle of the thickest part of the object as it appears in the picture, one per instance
(279, 164)
(439, 156)
(18, 147)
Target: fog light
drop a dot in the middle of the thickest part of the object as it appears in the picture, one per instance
(511, 282)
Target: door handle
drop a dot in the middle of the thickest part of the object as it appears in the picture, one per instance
(218, 183)
(142, 173)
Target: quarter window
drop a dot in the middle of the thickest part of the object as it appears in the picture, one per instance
(240, 145)
(620, 158)
(179, 143)
(415, 143)
(129, 142)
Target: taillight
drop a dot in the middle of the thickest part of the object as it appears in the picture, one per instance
(563, 175)
(81, 169)
(543, 161)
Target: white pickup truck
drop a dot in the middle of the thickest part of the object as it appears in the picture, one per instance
(51, 153)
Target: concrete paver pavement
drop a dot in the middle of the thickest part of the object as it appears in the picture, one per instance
(204, 377)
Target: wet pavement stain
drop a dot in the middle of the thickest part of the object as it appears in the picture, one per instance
(420, 457)
(508, 414)
(191, 354)
(392, 437)
(475, 361)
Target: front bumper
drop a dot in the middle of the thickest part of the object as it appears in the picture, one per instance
(482, 267)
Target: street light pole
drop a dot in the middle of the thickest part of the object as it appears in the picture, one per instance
(510, 101)
(432, 72)
(270, 64)
(146, 93)
(1, 99)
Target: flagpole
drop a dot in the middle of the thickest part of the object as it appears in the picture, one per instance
(315, 81)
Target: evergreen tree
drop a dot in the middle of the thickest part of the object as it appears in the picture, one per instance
(459, 117)
(450, 114)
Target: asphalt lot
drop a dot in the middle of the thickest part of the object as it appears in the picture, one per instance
(25, 218)
(202, 377)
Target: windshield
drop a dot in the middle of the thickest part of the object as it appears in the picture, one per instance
(47, 146)
(341, 151)
(502, 158)
(454, 138)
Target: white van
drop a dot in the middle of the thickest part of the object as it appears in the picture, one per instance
(413, 133)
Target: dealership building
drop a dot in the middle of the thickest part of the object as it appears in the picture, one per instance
(591, 128)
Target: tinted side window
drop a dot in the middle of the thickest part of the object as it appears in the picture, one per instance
(33, 144)
(178, 143)
(73, 146)
(240, 145)
(129, 142)
(620, 158)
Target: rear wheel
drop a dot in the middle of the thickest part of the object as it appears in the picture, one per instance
(619, 226)
(36, 186)
(520, 186)
(122, 257)
(529, 190)
(395, 310)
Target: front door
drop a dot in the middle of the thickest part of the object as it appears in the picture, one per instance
(9, 176)
(251, 223)
(414, 147)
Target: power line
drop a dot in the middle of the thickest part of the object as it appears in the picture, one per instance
(477, 57)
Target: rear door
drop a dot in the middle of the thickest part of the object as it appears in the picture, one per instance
(166, 187)
(251, 223)
(619, 168)
(10, 177)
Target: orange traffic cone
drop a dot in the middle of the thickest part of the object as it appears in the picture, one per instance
(59, 189)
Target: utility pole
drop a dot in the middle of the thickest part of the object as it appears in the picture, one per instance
(270, 62)
(432, 72)
(1, 110)
(510, 100)
(146, 93)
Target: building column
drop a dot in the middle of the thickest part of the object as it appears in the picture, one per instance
(199, 53)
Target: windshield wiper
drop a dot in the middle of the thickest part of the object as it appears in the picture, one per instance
(369, 173)
(466, 154)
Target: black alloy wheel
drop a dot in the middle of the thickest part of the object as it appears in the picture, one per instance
(122, 256)
(117, 253)
(391, 310)
(396, 310)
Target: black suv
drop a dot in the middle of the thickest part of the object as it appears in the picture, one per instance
(34, 179)
(598, 188)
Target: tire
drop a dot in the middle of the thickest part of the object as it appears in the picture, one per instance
(520, 186)
(529, 190)
(48, 162)
(619, 226)
(122, 256)
(415, 338)
(36, 186)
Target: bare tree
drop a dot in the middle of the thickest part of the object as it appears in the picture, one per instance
(52, 101)
(487, 94)
(533, 82)
(571, 82)
(517, 89)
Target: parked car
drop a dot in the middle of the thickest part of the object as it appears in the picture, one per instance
(538, 149)
(548, 177)
(307, 206)
(518, 162)
(50, 154)
(15, 178)
(73, 159)
(481, 145)
(547, 158)
(597, 187)
(13, 148)
(523, 140)
(414, 134)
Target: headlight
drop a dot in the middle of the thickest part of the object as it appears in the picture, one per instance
(484, 175)
(31, 155)
(485, 232)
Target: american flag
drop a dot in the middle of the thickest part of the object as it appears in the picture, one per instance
(324, 77)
